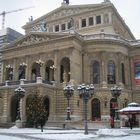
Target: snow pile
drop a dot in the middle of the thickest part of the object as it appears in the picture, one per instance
(111, 132)
(65, 136)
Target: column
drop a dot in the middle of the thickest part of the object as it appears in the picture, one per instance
(87, 21)
(94, 20)
(56, 65)
(22, 112)
(118, 70)
(103, 70)
(110, 17)
(85, 68)
(29, 68)
(53, 28)
(102, 19)
(80, 23)
(5, 108)
(42, 71)
(60, 28)
(66, 26)
(15, 71)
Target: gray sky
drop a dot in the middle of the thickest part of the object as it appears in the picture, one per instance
(128, 9)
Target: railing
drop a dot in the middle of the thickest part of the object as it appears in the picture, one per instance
(103, 35)
(25, 82)
(13, 83)
(29, 81)
(2, 84)
(47, 82)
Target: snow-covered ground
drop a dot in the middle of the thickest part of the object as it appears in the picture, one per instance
(56, 134)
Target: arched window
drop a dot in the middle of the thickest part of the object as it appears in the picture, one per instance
(35, 71)
(111, 78)
(123, 73)
(65, 70)
(96, 72)
(21, 72)
(9, 73)
(49, 71)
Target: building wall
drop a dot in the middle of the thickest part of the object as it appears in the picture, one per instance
(71, 54)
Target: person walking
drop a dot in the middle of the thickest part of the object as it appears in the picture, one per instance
(112, 122)
(130, 123)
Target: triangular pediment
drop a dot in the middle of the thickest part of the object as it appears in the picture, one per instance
(35, 38)
(64, 11)
(32, 39)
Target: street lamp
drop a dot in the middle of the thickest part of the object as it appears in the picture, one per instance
(115, 91)
(68, 92)
(20, 93)
(85, 93)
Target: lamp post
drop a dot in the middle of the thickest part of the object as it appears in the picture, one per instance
(68, 92)
(115, 91)
(85, 93)
(20, 93)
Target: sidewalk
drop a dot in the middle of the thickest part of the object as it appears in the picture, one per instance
(63, 134)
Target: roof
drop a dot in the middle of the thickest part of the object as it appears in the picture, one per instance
(65, 11)
(67, 7)
(133, 108)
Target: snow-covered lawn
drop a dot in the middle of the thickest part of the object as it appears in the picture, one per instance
(53, 134)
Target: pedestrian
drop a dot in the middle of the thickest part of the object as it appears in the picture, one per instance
(112, 122)
(130, 122)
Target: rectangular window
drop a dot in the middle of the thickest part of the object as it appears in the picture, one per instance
(57, 28)
(90, 21)
(98, 19)
(63, 27)
(83, 22)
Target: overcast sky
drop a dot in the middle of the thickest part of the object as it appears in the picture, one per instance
(128, 9)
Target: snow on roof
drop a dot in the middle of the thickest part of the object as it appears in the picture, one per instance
(133, 104)
(133, 108)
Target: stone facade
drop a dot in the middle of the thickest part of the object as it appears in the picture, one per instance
(96, 47)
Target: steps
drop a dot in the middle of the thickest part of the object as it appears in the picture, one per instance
(78, 124)
(6, 125)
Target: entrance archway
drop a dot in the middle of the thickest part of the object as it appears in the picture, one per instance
(96, 113)
(14, 107)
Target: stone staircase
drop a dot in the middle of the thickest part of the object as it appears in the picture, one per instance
(6, 125)
(77, 124)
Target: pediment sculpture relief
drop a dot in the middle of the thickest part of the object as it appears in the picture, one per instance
(68, 12)
(33, 39)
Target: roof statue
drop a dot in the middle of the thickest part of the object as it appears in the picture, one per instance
(106, 0)
(66, 1)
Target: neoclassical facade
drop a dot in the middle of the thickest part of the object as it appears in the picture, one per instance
(71, 45)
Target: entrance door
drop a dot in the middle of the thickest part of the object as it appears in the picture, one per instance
(96, 113)
(14, 107)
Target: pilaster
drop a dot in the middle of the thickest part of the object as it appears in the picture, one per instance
(5, 108)
(103, 70)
